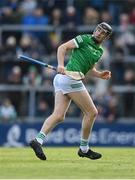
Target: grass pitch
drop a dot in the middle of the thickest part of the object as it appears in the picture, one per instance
(64, 163)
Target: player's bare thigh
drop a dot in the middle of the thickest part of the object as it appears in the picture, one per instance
(62, 103)
(83, 100)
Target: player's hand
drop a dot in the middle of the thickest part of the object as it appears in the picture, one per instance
(61, 69)
(105, 75)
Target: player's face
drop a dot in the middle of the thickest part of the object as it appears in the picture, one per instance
(100, 34)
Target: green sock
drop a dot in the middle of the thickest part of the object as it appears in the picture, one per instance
(84, 145)
(41, 137)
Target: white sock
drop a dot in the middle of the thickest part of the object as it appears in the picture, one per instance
(41, 136)
(84, 145)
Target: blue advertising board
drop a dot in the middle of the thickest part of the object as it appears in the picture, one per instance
(68, 134)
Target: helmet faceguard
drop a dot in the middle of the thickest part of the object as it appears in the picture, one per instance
(102, 31)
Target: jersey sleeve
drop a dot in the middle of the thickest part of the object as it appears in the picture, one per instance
(80, 40)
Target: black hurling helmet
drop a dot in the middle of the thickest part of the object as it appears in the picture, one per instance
(106, 27)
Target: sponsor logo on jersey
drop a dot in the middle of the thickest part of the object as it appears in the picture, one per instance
(79, 38)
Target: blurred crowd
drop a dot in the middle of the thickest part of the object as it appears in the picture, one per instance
(64, 19)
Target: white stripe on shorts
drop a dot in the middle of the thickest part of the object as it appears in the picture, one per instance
(66, 84)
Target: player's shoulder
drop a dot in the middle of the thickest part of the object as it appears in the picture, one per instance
(83, 37)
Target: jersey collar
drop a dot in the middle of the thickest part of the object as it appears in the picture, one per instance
(95, 41)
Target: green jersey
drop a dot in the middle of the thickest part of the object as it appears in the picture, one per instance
(86, 55)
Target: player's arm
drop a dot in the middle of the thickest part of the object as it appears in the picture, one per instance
(100, 74)
(62, 49)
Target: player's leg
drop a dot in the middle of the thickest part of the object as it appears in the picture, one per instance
(85, 103)
(62, 103)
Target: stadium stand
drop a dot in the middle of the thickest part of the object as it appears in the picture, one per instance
(38, 29)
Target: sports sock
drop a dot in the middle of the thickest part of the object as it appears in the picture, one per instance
(41, 137)
(84, 145)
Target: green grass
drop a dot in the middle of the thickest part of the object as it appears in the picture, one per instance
(63, 163)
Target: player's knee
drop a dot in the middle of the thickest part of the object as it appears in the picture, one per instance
(92, 114)
(60, 117)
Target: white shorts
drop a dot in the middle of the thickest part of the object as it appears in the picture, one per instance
(66, 84)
